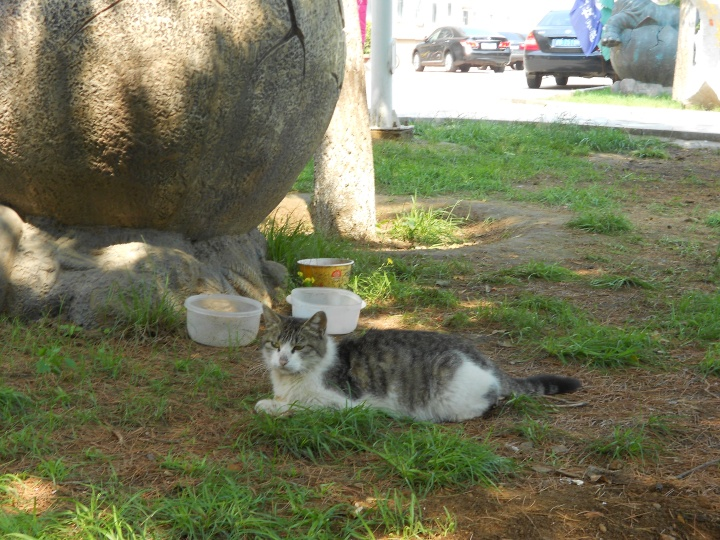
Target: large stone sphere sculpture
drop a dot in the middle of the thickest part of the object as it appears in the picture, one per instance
(192, 116)
(643, 37)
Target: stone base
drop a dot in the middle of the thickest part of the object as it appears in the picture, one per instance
(631, 86)
(91, 274)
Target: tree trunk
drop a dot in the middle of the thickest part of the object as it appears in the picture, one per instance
(344, 198)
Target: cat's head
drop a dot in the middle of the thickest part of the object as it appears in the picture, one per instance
(293, 345)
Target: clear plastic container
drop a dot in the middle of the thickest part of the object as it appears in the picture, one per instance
(341, 307)
(223, 320)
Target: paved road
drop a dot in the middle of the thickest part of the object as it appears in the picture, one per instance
(434, 93)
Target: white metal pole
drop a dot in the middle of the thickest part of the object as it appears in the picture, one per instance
(381, 65)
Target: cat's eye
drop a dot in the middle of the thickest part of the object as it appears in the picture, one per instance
(275, 345)
(298, 348)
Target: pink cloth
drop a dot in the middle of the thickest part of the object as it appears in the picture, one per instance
(362, 11)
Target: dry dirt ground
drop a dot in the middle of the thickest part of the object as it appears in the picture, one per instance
(563, 490)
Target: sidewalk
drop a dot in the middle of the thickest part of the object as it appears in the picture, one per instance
(687, 125)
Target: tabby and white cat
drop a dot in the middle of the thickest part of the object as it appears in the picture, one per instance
(423, 375)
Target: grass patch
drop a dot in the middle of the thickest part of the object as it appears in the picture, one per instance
(527, 405)
(534, 430)
(429, 456)
(627, 442)
(532, 270)
(713, 220)
(443, 159)
(427, 226)
(620, 282)
(319, 435)
(145, 309)
(695, 316)
(604, 346)
(530, 316)
(605, 96)
(601, 223)
(710, 364)
(424, 456)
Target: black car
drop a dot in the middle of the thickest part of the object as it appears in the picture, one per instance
(455, 47)
(552, 49)
(517, 49)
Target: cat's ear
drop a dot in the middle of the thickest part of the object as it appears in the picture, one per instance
(271, 318)
(317, 323)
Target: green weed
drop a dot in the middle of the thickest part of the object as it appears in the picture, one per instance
(51, 359)
(54, 469)
(145, 310)
(289, 241)
(534, 270)
(604, 346)
(429, 456)
(619, 282)
(320, 435)
(627, 442)
(534, 430)
(527, 405)
(427, 226)
(402, 517)
(710, 364)
(13, 403)
(531, 316)
(695, 316)
(600, 222)
(605, 96)
(713, 219)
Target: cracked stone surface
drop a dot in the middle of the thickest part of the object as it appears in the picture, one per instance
(184, 116)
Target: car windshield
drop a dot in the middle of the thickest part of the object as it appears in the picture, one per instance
(513, 35)
(477, 32)
(556, 18)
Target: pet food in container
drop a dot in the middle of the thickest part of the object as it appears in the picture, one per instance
(325, 272)
(341, 307)
(223, 320)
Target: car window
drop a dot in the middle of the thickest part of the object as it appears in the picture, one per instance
(478, 32)
(513, 36)
(445, 34)
(434, 35)
(556, 18)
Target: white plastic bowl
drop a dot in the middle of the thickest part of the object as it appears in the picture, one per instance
(341, 307)
(222, 320)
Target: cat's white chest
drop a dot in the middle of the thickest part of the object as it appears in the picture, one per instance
(293, 385)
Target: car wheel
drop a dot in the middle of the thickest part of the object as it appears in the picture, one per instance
(464, 68)
(518, 66)
(499, 69)
(417, 64)
(560, 81)
(533, 80)
(449, 62)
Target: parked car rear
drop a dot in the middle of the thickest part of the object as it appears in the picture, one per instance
(553, 49)
(517, 49)
(460, 48)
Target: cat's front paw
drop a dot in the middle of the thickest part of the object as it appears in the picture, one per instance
(272, 406)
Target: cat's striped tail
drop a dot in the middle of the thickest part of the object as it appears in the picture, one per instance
(545, 385)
